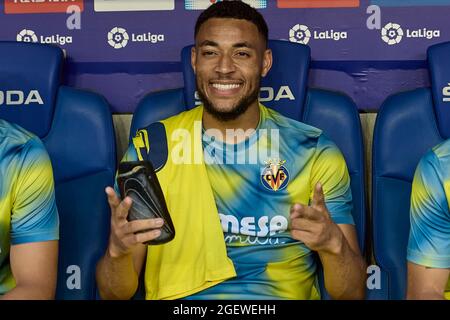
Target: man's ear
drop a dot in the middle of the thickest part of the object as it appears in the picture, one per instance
(267, 62)
(193, 58)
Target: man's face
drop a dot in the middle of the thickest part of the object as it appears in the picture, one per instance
(229, 59)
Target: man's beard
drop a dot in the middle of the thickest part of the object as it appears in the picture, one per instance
(238, 109)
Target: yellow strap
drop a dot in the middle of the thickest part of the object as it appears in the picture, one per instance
(141, 141)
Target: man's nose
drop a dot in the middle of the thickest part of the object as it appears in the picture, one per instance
(225, 64)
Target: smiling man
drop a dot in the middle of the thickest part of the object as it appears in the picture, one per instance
(268, 196)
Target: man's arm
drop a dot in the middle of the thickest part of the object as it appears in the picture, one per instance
(429, 238)
(34, 267)
(337, 246)
(118, 270)
(426, 283)
(344, 267)
(34, 226)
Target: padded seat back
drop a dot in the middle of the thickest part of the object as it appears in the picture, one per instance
(407, 126)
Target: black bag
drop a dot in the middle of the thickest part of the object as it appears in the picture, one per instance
(138, 180)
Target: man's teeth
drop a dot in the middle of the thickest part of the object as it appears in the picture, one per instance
(225, 86)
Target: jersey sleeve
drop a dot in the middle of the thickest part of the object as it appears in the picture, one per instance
(34, 215)
(429, 237)
(330, 170)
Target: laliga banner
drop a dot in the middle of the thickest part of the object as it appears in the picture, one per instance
(109, 42)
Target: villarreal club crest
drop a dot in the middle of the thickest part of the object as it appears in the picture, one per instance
(275, 176)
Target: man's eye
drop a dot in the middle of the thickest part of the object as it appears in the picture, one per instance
(208, 53)
(243, 54)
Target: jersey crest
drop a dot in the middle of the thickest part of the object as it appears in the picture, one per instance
(275, 176)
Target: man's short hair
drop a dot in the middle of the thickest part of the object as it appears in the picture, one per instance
(234, 10)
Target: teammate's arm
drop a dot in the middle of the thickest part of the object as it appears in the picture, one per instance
(34, 267)
(429, 239)
(34, 226)
(426, 283)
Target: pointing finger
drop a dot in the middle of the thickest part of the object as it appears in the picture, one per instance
(318, 200)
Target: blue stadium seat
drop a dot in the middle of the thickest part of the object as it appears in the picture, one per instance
(283, 89)
(407, 126)
(77, 130)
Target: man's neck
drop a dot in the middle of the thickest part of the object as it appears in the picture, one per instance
(239, 127)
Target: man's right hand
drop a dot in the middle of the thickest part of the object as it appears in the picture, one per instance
(124, 236)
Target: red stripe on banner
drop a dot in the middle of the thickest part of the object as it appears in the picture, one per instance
(19, 6)
(318, 3)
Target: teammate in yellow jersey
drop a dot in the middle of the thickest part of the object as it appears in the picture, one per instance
(246, 228)
(29, 224)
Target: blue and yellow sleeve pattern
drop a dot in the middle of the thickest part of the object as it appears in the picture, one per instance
(330, 170)
(34, 216)
(28, 210)
(429, 239)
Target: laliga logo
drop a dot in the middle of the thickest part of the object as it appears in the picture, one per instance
(27, 35)
(118, 38)
(392, 33)
(301, 34)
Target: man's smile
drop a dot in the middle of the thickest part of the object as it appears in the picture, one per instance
(225, 88)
